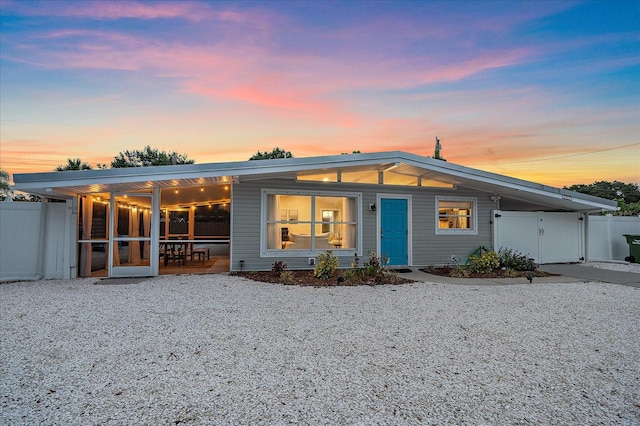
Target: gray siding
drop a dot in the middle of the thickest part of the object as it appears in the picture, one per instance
(428, 248)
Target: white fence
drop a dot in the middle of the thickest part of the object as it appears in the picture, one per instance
(32, 241)
(605, 241)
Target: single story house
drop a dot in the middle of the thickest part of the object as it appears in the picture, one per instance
(415, 210)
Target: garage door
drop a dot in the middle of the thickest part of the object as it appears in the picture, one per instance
(547, 237)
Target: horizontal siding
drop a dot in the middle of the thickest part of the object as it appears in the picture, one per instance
(428, 248)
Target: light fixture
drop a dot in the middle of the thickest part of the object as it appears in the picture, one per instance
(495, 198)
(202, 189)
(176, 191)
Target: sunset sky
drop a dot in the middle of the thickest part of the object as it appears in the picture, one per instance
(547, 91)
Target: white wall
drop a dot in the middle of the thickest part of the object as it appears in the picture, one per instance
(32, 240)
(605, 241)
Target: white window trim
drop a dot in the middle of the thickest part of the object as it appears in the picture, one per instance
(457, 231)
(265, 252)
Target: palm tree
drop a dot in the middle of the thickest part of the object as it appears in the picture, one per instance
(73, 164)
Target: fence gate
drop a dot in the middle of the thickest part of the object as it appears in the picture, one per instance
(547, 237)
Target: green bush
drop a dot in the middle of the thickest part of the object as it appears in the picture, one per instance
(484, 263)
(512, 259)
(374, 268)
(375, 265)
(327, 265)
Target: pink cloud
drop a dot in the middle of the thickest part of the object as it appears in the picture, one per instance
(109, 10)
(483, 62)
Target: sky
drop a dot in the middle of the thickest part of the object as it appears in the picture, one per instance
(547, 91)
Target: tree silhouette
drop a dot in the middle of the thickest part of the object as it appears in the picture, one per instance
(626, 194)
(148, 157)
(73, 164)
(5, 190)
(275, 153)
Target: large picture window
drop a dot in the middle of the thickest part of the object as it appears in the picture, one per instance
(303, 223)
(456, 215)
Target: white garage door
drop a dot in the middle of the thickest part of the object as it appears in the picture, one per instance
(547, 237)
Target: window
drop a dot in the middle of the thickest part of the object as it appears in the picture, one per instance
(296, 223)
(211, 221)
(456, 215)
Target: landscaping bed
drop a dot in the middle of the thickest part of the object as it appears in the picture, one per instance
(307, 278)
(452, 271)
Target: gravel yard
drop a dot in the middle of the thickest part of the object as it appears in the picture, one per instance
(225, 350)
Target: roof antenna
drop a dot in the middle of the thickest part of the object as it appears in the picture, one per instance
(436, 153)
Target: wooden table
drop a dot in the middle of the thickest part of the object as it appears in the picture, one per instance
(175, 250)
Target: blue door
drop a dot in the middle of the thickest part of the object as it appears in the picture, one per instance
(393, 230)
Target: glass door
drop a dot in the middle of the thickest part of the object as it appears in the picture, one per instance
(131, 219)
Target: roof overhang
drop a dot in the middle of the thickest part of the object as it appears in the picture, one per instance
(70, 183)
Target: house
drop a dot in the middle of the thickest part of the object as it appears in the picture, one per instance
(415, 210)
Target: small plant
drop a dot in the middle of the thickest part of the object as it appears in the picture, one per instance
(286, 277)
(459, 271)
(327, 265)
(375, 265)
(511, 273)
(278, 267)
(512, 259)
(485, 263)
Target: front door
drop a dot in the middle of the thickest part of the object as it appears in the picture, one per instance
(394, 230)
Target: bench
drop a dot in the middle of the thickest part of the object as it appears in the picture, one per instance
(201, 253)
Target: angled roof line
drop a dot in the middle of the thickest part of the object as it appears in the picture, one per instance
(286, 165)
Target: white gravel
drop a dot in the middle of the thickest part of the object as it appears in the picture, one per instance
(611, 266)
(223, 350)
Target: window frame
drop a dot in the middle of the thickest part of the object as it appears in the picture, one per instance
(473, 219)
(278, 252)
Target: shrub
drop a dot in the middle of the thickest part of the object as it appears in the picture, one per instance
(278, 267)
(512, 259)
(286, 277)
(327, 265)
(484, 263)
(374, 268)
(459, 271)
(375, 265)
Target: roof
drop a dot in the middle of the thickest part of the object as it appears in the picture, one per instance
(67, 184)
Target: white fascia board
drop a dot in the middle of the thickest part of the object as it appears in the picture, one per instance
(511, 183)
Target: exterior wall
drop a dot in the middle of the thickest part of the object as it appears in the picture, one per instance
(428, 248)
(33, 240)
(605, 241)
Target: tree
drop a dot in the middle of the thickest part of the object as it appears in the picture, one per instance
(73, 164)
(32, 198)
(5, 189)
(626, 194)
(148, 157)
(275, 153)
